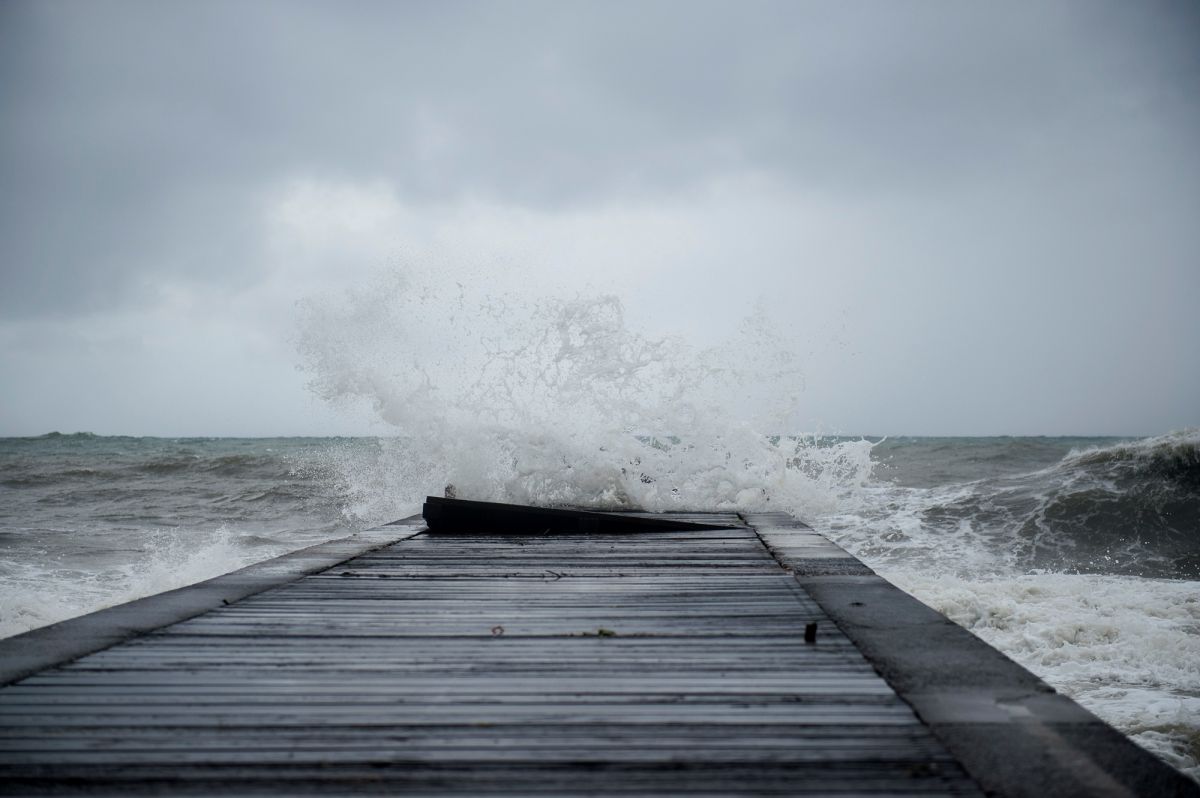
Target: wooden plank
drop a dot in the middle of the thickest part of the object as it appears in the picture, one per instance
(666, 662)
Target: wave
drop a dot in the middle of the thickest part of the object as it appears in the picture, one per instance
(551, 401)
(1078, 561)
(1174, 457)
(559, 401)
(1034, 544)
(124, 566)
(1123, 508)
(253, 465)
(1127, 508)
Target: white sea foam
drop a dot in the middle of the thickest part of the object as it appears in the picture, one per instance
(559, 401)
(1126, 648)
(64, 582)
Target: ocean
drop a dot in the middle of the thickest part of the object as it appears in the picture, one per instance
(1077, 557)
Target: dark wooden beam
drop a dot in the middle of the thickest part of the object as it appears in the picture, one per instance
(460, 516)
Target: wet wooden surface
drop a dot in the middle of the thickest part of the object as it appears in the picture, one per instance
(656, 663)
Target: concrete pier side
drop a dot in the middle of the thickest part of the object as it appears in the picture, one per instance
(550, 653)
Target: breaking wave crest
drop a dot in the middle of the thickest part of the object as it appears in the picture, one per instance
(1174, 458)
(1125, 508)
(558, 401)
(1069, 555)
(1066, 557)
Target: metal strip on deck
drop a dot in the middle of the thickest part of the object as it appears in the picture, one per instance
(662, 662)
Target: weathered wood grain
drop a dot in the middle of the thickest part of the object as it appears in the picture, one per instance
(661, 662)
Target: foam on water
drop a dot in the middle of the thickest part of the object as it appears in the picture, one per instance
(63, 583)
(1126, 648)
(553, 401)
(1078, 564)
(87, 522)
(1002, 557)
(558, 401)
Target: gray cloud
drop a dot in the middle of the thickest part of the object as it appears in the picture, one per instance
(140, 138)
(137, 133)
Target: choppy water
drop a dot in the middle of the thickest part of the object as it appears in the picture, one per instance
(1077, 557)
(88, 521)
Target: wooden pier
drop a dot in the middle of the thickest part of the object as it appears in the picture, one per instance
(549, 654)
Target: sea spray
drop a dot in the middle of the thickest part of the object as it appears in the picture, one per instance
(559, 401)
(1077, 557)
(1066, 554)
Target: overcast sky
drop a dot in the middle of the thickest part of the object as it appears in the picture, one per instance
(965, 217)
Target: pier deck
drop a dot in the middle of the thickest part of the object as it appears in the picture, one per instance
(660, 661)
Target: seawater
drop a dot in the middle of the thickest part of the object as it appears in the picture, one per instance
(1078, 557)
(1075, 556)
(89, 521)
